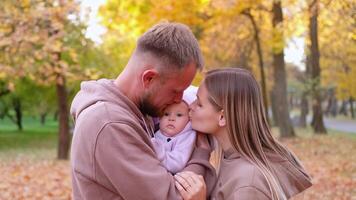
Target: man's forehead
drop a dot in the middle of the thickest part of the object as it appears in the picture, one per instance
(180, 80)
(177, 83)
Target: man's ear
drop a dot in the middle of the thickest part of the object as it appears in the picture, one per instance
(222, 120)
(148, 76)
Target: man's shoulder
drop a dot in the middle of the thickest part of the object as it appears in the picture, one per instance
(107, 112)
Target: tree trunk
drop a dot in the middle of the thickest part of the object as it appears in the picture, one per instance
(260, 59)
(327, 111)
(16, 102)
(279, 75)
(343, 109)
(55, 115)
(304, 110)
(351, 100)
(334, 107)
(64, 137)
(43, 118)
(291, 100)
(317, 121)
(331, 108)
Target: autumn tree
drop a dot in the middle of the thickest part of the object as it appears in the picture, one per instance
(41, 40)
(317, 121)
(337, 43)
(279, 91)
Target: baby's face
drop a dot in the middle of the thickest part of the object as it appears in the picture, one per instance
(175, 118)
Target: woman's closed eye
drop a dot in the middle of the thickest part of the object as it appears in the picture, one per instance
(199, 104)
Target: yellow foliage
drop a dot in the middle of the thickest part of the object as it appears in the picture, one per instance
(2, 75)
(338, 49)
(278, 42)
(37, 39)
(198, 79)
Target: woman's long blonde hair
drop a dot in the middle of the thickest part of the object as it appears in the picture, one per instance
(237, 93)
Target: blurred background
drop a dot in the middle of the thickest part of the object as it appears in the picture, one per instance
(303, 53)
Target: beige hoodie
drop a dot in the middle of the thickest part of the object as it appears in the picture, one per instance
(241, 180)
(112, 156)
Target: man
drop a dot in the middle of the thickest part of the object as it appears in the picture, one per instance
(112, 154)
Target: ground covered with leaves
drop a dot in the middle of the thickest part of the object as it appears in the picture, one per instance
(329, 159)
(331, 162)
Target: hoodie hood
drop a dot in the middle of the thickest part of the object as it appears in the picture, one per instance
(190, 94)
(103, 90)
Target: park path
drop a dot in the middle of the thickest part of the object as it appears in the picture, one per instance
(344, 125)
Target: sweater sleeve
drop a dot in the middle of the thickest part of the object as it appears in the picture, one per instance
(159, 147)
(126, 159)
(199, 164)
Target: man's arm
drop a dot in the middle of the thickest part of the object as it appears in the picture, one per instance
(125, 158)
(199, 162)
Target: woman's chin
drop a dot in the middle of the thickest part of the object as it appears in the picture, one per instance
(197, 129)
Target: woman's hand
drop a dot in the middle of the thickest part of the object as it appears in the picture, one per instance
(190, 185)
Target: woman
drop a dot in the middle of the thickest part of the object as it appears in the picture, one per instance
(253, 165)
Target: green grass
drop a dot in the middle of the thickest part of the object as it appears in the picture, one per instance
(37, 141)
(33, 136)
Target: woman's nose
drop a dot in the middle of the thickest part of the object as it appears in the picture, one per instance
(192, 106)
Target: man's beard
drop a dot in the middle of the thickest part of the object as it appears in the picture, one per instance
(146, 107)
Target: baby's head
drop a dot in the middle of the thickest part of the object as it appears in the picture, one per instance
(176, 116)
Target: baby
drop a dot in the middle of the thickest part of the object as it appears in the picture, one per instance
(175, 139)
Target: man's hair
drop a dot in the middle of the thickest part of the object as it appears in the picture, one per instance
(172, 43)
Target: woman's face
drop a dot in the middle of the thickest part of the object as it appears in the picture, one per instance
(204, 117)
